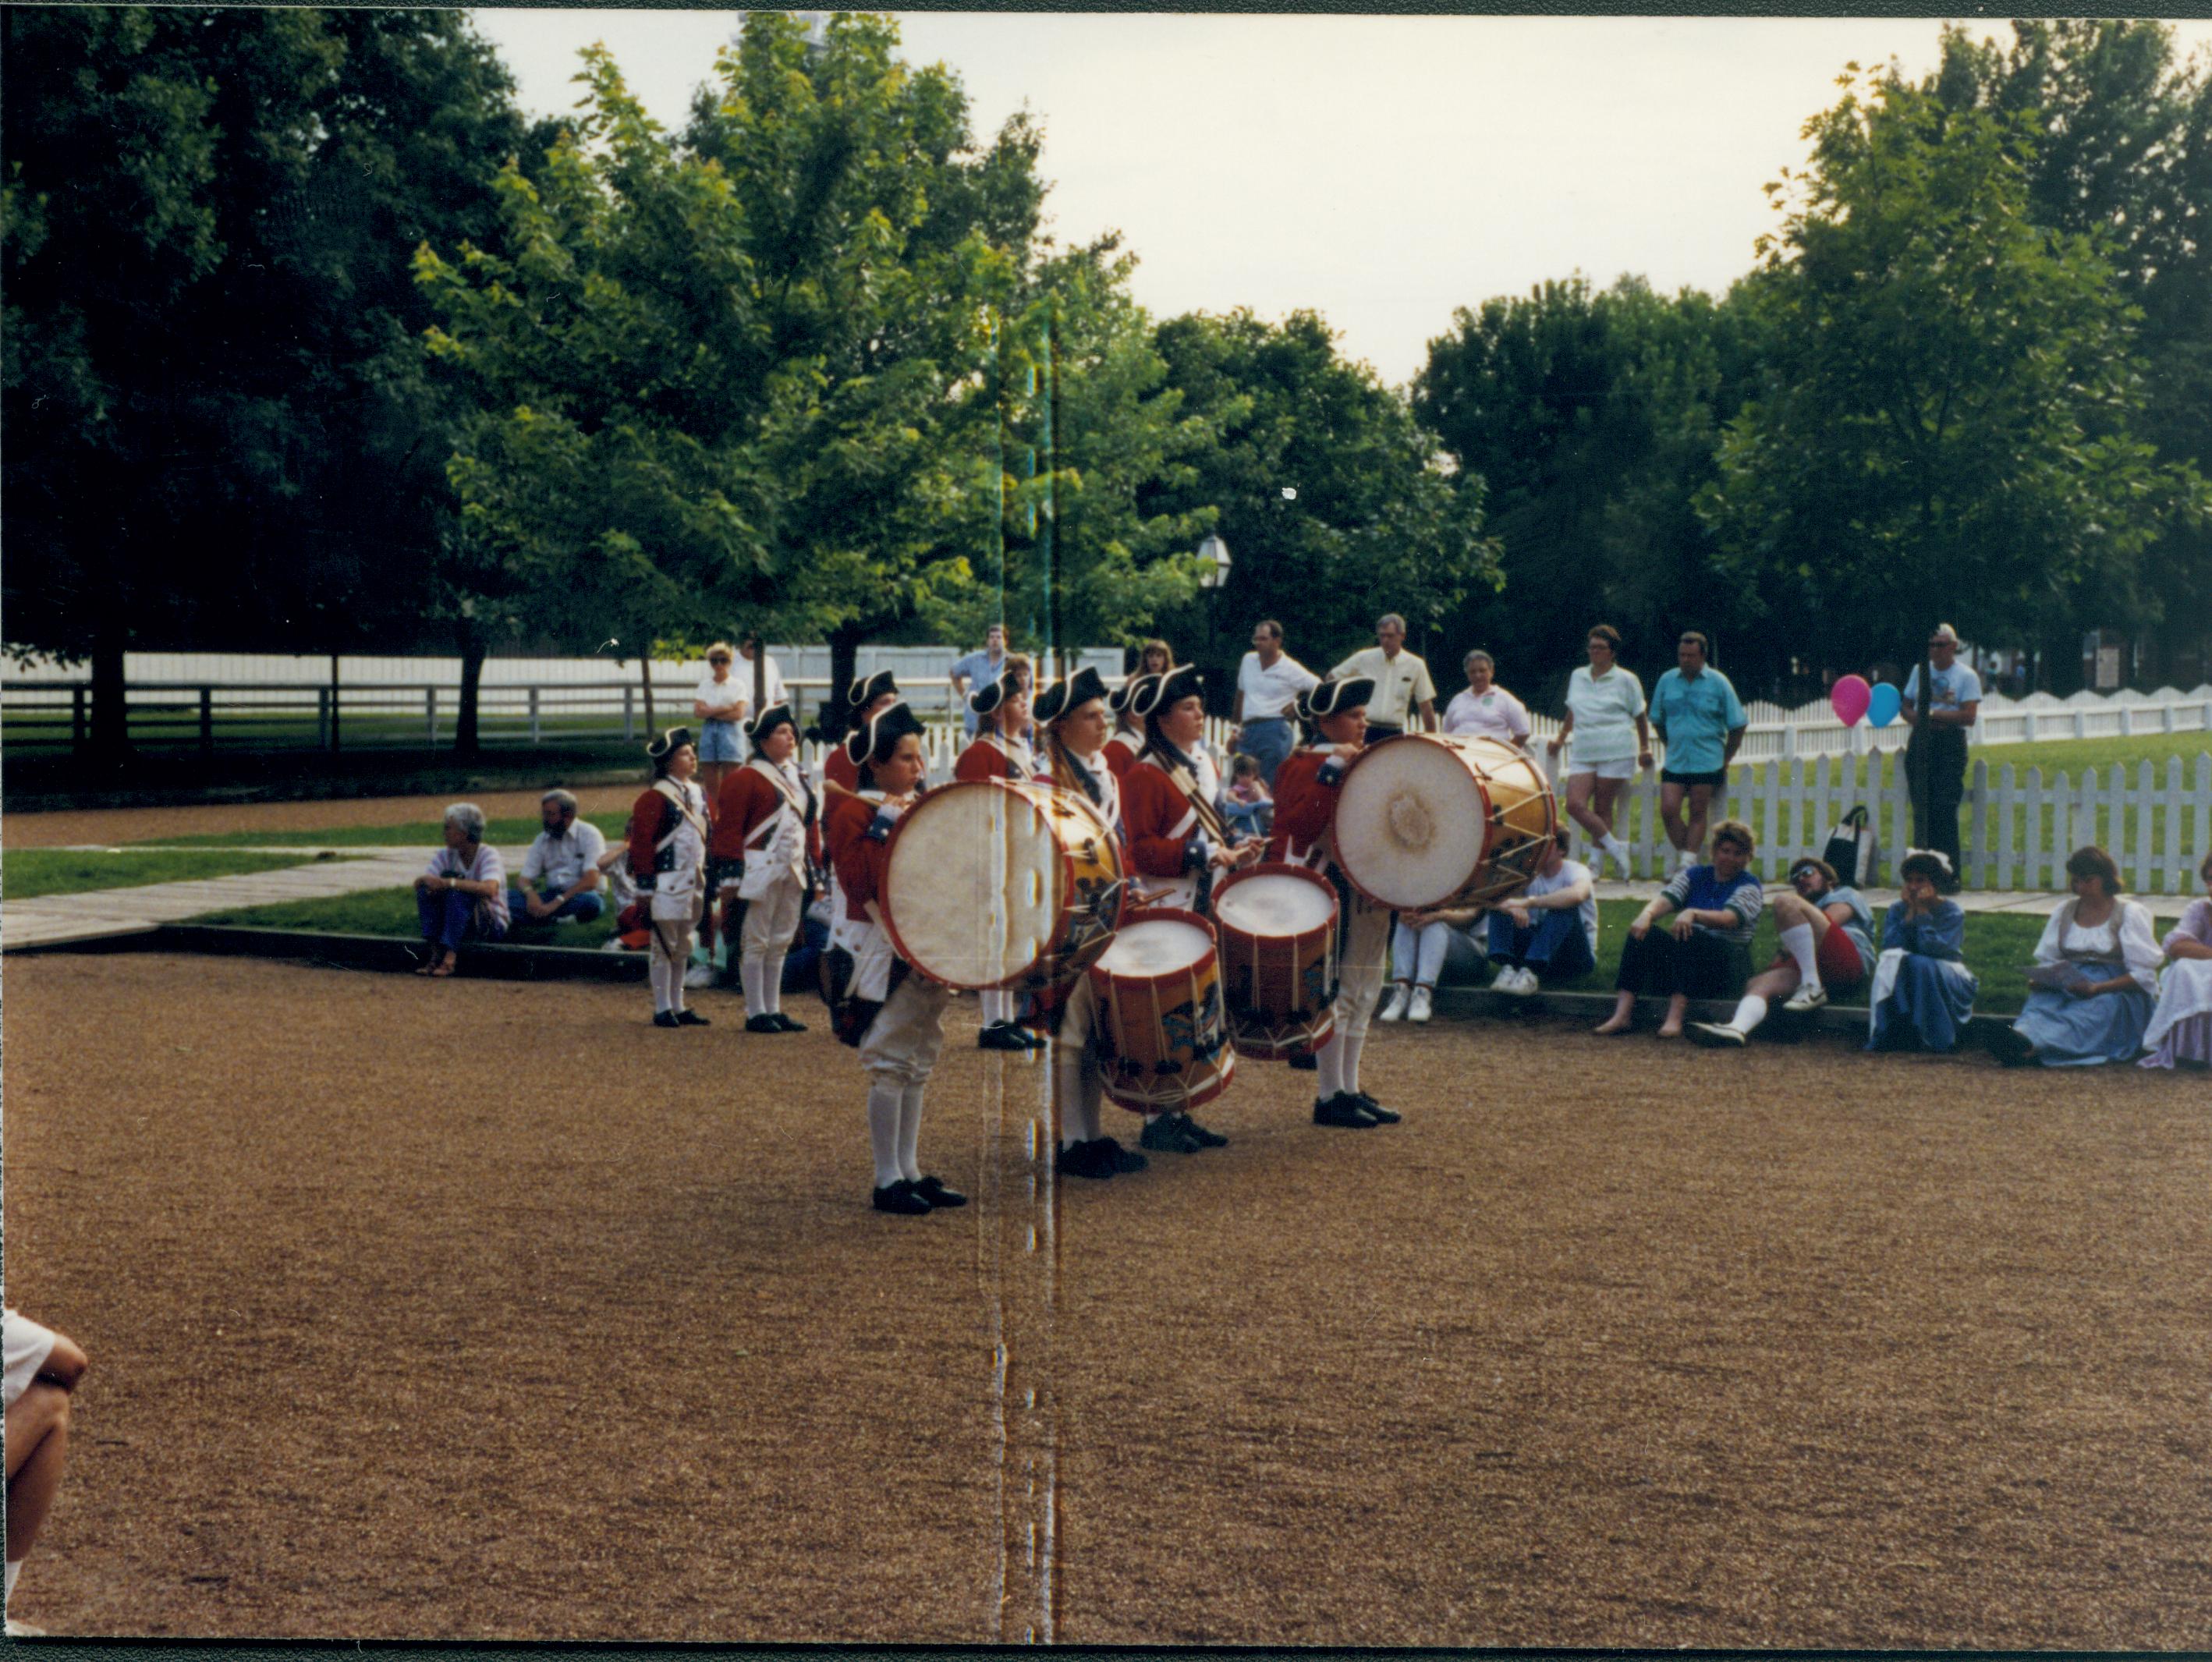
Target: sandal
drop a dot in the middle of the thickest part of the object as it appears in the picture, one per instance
(441, 969)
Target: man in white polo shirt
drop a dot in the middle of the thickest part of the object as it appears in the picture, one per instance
(1402, 682)
(560, 879)
(1269, 682)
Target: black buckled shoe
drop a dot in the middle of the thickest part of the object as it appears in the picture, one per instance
(763, 1024)
(691, 1018)
(1305, 1061)
(1199, 1135)
(900, 1197)
(1381, 1115)
(1344, 1110)
(1001, 1035)
(786, 1023)
(1122, 1158)
(932, 1190)
(1164, 1135)
(1084, 1159)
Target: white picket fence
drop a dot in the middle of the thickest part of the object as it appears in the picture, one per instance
(2016, 826)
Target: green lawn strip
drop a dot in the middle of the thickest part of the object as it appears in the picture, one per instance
(425, 834)
(29, 872)
(391, 911)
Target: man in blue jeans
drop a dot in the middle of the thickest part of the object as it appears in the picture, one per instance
(561, 871)
(1547, 933)
(1269, 682)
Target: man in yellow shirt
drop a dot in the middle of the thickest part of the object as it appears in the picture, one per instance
(1402, 682)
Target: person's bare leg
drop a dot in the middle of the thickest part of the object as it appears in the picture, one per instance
(1670, 821)
(38, 1451)
(1578, 806)
(1678, 1005)
(1624, 1011)
(1700, 814)
(1608, 800)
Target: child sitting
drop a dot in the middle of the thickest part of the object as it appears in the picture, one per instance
(1245, 805)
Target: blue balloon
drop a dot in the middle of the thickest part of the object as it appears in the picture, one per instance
(1883, 704)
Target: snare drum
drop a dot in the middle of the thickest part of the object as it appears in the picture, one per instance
(1161, 1044)
(1001, 883)
(1428, 820)
(1278, 947)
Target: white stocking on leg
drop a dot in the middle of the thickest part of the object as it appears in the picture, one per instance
(1067, 1087)
(883, 1129)
(749, 977)
(1797, 941)
(772, 983)
(1329, 1065)
(909, 1133)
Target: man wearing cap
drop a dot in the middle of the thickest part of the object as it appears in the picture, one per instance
(767, 843)
(1305, 814)
(1935, 755)
(1268, 683)
(1400, 680)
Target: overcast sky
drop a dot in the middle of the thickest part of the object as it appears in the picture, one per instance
(1379, 170)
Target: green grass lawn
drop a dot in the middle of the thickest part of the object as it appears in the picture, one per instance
(28, 872)
(425, 834)
(391, 911)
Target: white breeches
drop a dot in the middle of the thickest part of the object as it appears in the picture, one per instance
(903, 1041)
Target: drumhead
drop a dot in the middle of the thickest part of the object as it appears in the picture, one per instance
(1156, 946)
(1410, 823)
(973, 885)
(1271, 904)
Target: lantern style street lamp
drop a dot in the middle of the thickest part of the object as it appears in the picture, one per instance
(1215, 553)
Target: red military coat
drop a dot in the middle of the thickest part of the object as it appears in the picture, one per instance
(1304, 807)
(859, 861)
(986, 759)
(1160, 821)
(747, 801)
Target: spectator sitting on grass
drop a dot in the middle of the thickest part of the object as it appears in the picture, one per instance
(1705, 953)
(462, 894)
(561, 880)
(1547, 933)
(1923, 993)
(42, 1368)
(1827, 943)
(1420, 947)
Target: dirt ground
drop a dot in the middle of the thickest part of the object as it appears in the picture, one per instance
(279, 819)
(489, 1310)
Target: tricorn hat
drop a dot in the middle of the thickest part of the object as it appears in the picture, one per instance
(659, 748)
(1068, 695)
(774, 716)
(875, 742)
(866, 689)
(985, 699)
(1118, 699)
(1331, 698)
(1159, 693)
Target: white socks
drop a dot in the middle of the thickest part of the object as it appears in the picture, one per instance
(1329, 1065)
(1352, 1048)
(884, 1099)
(909, 1133)
(1079, 1091)
(772, 983)
(998, 1007)
(749, 977)
(1749, 1013)
(1797, 941)
(662, 973)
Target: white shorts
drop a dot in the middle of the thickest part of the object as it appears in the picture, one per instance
(1624, 768)
(26, 1346)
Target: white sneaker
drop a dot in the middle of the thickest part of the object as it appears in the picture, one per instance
(1396, 1010)
(1509, 980)
(1419, 1012)
(699, 975)
(1810, 995)
(1524, 983)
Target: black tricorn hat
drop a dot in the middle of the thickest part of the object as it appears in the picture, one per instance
(1330, 698)
(985, 699)
(659, 748)
(1162, 692)
(866, 689)
(875, 742)
(774, 716)
(1070, 694)
(1118, 699)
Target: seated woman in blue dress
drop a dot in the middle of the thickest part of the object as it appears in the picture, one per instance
(1922, 991)
(2094, 980)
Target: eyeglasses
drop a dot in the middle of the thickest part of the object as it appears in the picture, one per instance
(718, 660)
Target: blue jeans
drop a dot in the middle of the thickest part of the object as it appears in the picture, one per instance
(719, 741)
(1553, 945)
(449, 918)
(1269, 741)
(583, 908)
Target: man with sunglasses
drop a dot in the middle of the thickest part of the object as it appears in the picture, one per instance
(1936, 755)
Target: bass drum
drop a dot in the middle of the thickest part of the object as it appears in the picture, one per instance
(1279, 946)
(1427, 820)
(1002, 884)
(1163, 1045)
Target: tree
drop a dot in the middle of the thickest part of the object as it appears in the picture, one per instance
(1376, 523)
(1944, 429)
(219, 431)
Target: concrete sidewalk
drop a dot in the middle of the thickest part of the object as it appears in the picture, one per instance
(100, 914)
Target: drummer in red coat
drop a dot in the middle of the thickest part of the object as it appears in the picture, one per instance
(1306, 789)
(1001, 751)
(1176, 837)
(865, 699)
(893, 1017)
(1128, 737)
(1072, 718)
(767, 848)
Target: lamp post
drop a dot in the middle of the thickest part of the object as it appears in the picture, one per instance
(1215, 553)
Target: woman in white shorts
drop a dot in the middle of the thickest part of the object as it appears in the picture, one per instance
(1608, 738)
(43, 1367)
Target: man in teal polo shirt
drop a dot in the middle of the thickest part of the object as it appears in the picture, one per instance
(1698, 716)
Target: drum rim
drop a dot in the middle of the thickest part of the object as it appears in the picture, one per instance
(1031, 793)
(1156, 915)
(1488, 893)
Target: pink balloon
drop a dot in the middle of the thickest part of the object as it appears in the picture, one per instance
(1848, 698)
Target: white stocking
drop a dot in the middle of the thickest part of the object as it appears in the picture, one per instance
(749, 977)
(1750, 1012)
(909, 1133)
(1329, 1061)
(998, 1008)
(772, 983)
(657, 968)
(1797, 941)
(1353, 1044)
(883, 1129)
